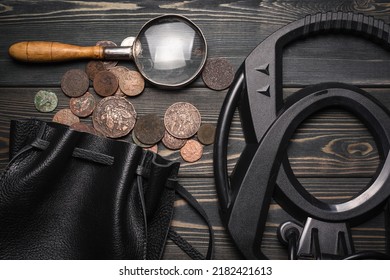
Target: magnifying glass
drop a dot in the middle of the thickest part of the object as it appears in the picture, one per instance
(169, 51)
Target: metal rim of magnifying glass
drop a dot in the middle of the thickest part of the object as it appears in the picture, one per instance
(135, 50)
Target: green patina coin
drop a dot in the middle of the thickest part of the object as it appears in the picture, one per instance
(45, 101)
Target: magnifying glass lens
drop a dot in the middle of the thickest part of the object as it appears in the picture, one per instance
(170, 51)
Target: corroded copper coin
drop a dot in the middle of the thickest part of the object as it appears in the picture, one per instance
(137, 142)
(82, 106)
(93, 67)
(105, 83)
(182, 120)
(74, 83)
(149, 129)
(65, 116)
(218, 73)
(83, 127)
(206, 134)
(132, 83)
(119, 72)
(191, 151)
(108, 63)
(172, 142)
(114, 117)
(45, 101)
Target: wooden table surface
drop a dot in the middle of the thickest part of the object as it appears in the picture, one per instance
(332, 153)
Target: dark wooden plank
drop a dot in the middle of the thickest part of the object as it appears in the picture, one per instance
(326, 150)
(331, 143)
(333, 140)
(232, 30)
(367, 236)
(18, 104)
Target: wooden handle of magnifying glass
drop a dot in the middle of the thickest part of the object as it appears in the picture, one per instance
(40, 51)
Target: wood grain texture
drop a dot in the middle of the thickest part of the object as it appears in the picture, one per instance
(332, 153)
(218, 20)
(331, 143)
(368, 236)
(44, 51)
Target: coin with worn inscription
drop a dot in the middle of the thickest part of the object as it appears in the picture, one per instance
(137, 142)
(65, 116)
(149, 129)
(206, 134)
(82, 106)
(119, 72)
(105, 83)
(182, 120)
(132, 83)
(83, 127)
(172, 142)
(107, 63)
(74, 83)
(93, 67)
(114, 117)
(218, 73)
(45, 101)
(191, 151)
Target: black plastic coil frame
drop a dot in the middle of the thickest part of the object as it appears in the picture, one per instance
(263, 170)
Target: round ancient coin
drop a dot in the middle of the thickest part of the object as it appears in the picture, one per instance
(105, 83)
(65, 116)
(132, 83)
(93, 67)
(206, 134)
(149, 129)
(82, 106)
(182, 120)
(119, 72)
(128, 42)
(172, 142)
(83, 127)
(45, 101)
(74, 83)
(218, 73)
(191, 151)
(114, 117)
(139, 143)
(108, 63)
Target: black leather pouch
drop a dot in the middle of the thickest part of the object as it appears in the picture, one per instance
(72, 195)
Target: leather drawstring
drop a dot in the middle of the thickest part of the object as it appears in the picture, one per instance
(142, 199)
(184, 245)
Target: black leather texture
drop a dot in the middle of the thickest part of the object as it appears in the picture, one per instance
(72, 195)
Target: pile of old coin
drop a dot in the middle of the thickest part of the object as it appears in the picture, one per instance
(114, 116)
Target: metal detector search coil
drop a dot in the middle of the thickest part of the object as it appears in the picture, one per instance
(320, 230)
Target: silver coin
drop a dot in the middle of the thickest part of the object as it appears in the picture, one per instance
(127, 42)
